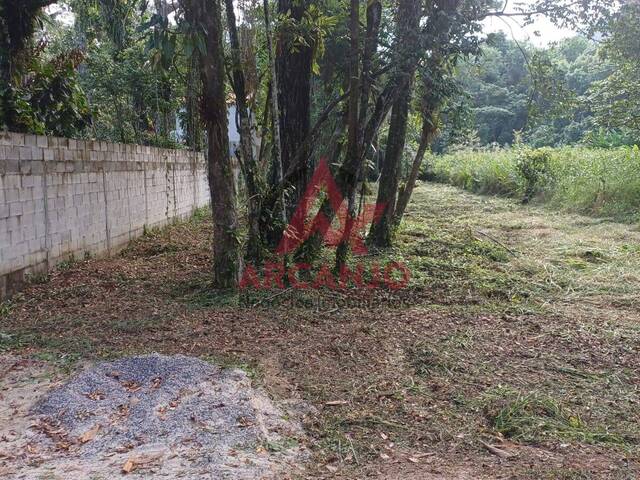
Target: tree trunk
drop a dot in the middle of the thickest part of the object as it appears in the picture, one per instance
(426, 137)
(374, 17)
(381, 234)
(206, 16)
(293, 64)
(194, 132)
(249, 165)
(407, 55)
(434, 74)
(269, 214)
(353, 162)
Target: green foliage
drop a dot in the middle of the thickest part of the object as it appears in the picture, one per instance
(594, 181)
(518, 87)
(615, 100)
(489, 172)
(311, 31)
(39, 91)
(533, 167)
(51, 101)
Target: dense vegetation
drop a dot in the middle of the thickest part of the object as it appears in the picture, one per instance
(576, 91)
(512, 87)
(603, 182)
(577, 96)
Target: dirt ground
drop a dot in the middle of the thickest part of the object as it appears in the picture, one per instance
(512, 354)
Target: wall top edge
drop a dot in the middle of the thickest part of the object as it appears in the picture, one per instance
(14, 139)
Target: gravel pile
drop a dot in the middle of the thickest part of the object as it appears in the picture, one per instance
(164, 417)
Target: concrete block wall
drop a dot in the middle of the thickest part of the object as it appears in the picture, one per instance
(61, 197)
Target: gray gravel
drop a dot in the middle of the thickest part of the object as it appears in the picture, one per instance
(173, 417)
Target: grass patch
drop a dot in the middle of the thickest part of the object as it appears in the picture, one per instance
(598, 182)
(425, 360)
(535, 418)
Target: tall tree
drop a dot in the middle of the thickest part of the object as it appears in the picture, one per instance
(353, 162)
(371, 42)
(434, 90)
(270, 205)
(294, 59)
(204, 16)
(248, 161)
(407, 50)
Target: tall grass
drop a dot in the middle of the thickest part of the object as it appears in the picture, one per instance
(598, 182)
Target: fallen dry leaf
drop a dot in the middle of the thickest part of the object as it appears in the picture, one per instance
(130, 386)
(128, 466)
(497, 451)
(89, 434)
(135, 461)
(97, 395)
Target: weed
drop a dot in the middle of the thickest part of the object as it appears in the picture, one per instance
(535, 418)
(533, 167)
(67, 264)
(37, 278)
(425, 359)
(6, 308)
(10, 342)
(281, 445)
(252, 369)
(66, 362)
(200, 215)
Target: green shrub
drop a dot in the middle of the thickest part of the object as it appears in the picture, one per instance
(533, 167)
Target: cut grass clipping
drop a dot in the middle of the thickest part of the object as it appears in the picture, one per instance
(534, 418)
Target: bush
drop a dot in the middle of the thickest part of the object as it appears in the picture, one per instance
(533, 167)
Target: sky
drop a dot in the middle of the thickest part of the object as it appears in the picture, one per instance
(512, 27)
(548, 32)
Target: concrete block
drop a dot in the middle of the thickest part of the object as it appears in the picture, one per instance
(11, 195)
(25, 153)
(26, 195)
(12, 153)
(30, 140)
(16, 139)
(15, 209)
